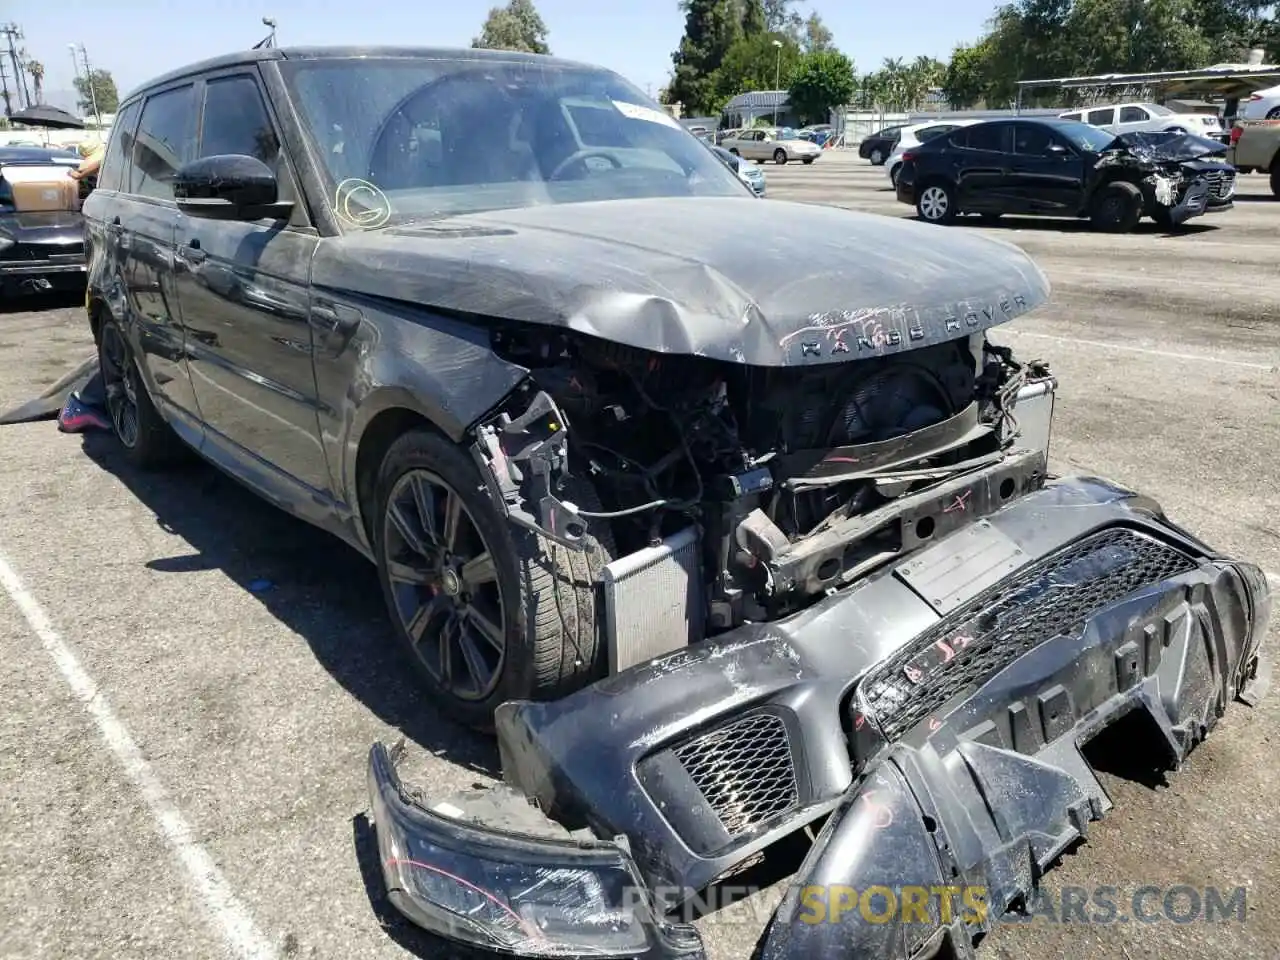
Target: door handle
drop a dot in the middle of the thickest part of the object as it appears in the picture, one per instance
(342, 321)
(192, 254)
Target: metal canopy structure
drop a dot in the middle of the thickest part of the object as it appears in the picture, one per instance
(1231, 81)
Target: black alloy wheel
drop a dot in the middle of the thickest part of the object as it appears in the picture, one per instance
(444, 586)
(120, 382)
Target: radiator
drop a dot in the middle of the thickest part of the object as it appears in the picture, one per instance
(653, 600)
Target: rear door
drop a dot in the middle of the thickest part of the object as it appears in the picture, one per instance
(982, 173)
(143, 229)
(243, 289)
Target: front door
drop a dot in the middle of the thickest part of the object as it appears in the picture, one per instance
(1046, 173)
(141, 230)
(242, 288)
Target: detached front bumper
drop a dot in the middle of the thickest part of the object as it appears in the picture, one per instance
(935, 714)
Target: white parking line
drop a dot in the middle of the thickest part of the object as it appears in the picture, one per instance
(1167, 354)
(225, 910)
(1274, 578)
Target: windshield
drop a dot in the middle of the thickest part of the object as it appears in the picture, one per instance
(1084, 135)
(414, 138)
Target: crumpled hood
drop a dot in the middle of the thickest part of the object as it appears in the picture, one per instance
(1167, 147)
(767, 284)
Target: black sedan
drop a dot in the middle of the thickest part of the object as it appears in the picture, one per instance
(1064, 168)
(879, 145)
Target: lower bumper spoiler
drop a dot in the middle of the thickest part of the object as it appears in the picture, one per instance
(952, 814)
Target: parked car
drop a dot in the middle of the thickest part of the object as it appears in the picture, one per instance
(913, 136)
(1066, 168)
(880, 144)
(1261, 105)
(41, 229)
(725, 516)
(1255, 145)
(1146, 118)
(748, 172)
(770, 144)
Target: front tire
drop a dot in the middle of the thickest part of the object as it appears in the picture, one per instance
(1117, 208)
(779, 156)
(1275, 178)
(487, 612)
(147, 440)
(936, 203)
(1273, 113)
(877, 157)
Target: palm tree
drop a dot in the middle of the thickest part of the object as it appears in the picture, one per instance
(36, 69)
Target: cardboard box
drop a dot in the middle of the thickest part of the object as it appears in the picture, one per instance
(39, 187)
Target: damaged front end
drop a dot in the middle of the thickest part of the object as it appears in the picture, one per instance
(844, 601)
(927, 723)
(1181, 175)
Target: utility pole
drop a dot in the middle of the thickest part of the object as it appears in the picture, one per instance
(4, 86)
(13, 32)
(88, 82)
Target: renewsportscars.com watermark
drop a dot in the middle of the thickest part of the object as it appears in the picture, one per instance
(1180, 904)
(908, 904)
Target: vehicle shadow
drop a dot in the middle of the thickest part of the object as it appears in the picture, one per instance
(1063, 225)
(310, 581)
(57, 299)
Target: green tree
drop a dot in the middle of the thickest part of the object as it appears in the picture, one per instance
(821, 82)
(754, 63)
(103, 91)
(817, 36)
(753, 23)
(779, 17)
(965, 82)
(711, 27)
(36, 69)
(517, 26)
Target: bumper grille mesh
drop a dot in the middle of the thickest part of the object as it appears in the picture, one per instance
(1222, 184)
(744, 769)
(1053, 597)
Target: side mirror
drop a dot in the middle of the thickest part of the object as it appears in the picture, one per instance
(1057, 149)
(229, 187)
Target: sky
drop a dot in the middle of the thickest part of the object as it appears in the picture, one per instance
(140, 39)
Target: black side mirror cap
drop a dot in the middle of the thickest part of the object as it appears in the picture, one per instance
(229, 187)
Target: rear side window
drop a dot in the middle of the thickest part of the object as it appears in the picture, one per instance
(115, 165)
(1100, 118)
(165, 141)
(1070, 116)
(1133, 115)
(236, 121)
(986, 137)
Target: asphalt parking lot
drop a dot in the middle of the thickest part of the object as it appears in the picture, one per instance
(191, 681)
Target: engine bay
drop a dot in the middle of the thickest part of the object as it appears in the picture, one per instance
(797, 479)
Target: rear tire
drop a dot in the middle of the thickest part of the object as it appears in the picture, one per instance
(527, 605)
(1275, 178)
(893, 175)
(734, 151)
(877, 157)
(779, 156)
(1273, 113)
(148, 441)
(936, 203)
(808, 161)
(1117, 207)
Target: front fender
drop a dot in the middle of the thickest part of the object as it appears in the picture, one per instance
(401, 357)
